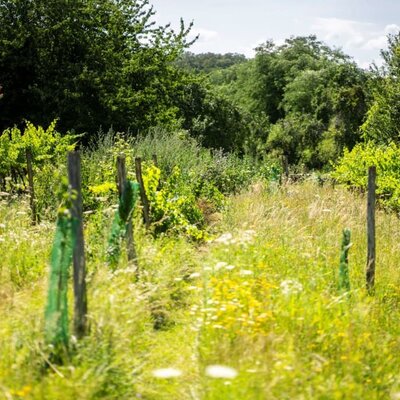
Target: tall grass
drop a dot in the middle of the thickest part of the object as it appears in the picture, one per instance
(262, 298)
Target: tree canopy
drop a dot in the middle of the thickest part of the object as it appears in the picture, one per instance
(106, 63)
(309, 99)
(382, 124)
(208, 62)
(90, 63)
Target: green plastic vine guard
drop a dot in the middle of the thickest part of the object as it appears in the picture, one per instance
(344, 278)
(118, 230)
(56, 314)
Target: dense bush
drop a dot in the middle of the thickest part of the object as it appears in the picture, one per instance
(307, 100)
(352, 171)
(188, 184)
(173, 204)
(193, 180)
(96, 63)
(48, 149)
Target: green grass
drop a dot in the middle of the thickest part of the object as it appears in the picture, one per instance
(262, 299)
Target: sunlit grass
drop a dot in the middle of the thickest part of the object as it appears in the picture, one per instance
(258, 306)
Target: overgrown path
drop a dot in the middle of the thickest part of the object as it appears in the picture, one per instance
(261, 299)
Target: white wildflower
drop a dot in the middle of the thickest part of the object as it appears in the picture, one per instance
(246, 236)
(291, 286)
(230, 267)
(221, 371)
(226, 238)
(167, 373)
(246, 272)
(194, 275)
(220, 265)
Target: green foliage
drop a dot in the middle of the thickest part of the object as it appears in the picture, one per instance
(352, 171)
(262, 300)
(382, 124)
(46, 145)
(96, 63)
(232, 174)
(173, 207)
(208, 62)
(49, 150)
(322, 101)
(304, 100)
(107, 64)
(383, 116)
(23, 248)
(188, 184)
(211, 117)
(391, 55)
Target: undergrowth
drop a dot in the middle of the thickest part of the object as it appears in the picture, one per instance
(254, 313)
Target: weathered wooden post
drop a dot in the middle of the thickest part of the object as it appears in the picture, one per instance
(31, 188)
(371, 256)
(80, 297)
(143, 196)
(122, 180)
(155, 160)
(155, 163)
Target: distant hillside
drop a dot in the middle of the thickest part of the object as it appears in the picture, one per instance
(208, 62)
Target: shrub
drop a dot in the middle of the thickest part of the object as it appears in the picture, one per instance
(352, 171)
(49, 150)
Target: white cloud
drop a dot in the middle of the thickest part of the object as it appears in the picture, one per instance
(392, 28)
(349, 33)
(354, 36)
(380, 40)
(363, 64)
(205, 35)
(376, 43)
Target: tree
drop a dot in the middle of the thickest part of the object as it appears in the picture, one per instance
(208, 62)
(314, 97)
(383, 118)
(211, 117)
(90, 63)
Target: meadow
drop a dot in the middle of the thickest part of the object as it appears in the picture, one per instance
(233, 285)
(252, 312)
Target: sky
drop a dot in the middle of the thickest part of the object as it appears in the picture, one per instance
(358, 27)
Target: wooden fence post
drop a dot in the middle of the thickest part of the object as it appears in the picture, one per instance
(80, 297)
(122, 180)
(155, 161)
(371, 256)
(145, 201)
(31, 187)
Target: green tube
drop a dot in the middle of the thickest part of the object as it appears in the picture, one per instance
(344, 278)
(118, 230)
